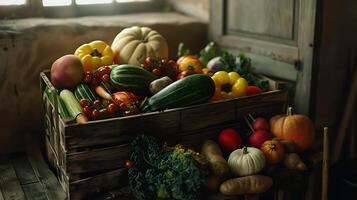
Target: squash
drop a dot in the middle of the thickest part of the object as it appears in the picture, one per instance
(214, 156)
(246, 161)
(253, 184)
(133, 45)
(273, 151)
(297, 128)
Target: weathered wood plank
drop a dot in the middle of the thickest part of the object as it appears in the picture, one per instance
(24, 171)
(100, 159)
(35, 191)
(1, 195)
(9, 183)
(47, 178)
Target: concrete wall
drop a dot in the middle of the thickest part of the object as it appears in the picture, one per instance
(28, 46)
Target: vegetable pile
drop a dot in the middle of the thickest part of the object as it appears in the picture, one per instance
(162, 172)
(124, 79)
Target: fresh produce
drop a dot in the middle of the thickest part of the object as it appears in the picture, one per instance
(161, 67)
(289, 146)
(94, 55)
(194, 89)
(257, 138)
(293, 161)
(83, 91)
(230, 139)
(99, 76)
(130, 77)
(132, 45)
(273, 151)
(66, 72)
(73, 107)
(260, 123)
(246, 161)
(253, 184)
(208, 53)
(184, 74)
(182, 50)
(207, 72)
(52, 94)
(213, 182)
(297, 128)
(228, 85)
(159, 84)
(214, 156)
(128, 102)
(128, 164)
(190, 62)
(103, 92)
(253, 90)
(162, 172)
(215, 64)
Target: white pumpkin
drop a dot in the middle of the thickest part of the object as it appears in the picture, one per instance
(133, 45)
(246, 161)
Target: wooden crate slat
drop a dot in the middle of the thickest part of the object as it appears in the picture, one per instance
(102, 159)
(119, 130)
(1, 195)
(9, 182)
(35, 191)
(102, 182)
(24, 171)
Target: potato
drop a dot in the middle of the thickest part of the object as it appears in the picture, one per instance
(294, 162)
(213, 153)
(252, 184)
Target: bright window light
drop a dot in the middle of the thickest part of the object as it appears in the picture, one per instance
(82, 2)
(12, 2)
(56, 2)
(122, 1)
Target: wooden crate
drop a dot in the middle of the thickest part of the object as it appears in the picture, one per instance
(90, 158)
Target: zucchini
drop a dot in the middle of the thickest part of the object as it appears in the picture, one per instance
(62, 110)
(194, 89)
(130, 77)
(83, 91)
(72, 105)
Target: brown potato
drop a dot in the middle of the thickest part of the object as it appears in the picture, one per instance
(213, 153)
(253, 184)
(294, 162)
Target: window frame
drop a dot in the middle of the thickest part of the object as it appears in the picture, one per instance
(34, 8)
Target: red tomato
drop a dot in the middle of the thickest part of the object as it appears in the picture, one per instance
(97, 103)
(257, 138)
(183, 74)
(230, 139)
(128, 164)
(105, 77)
(83, 102)
(252, 90)
(95, 114)
(88, 111)
(112, 108)
(156, 71)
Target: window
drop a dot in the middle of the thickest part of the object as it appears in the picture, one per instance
(72, 8)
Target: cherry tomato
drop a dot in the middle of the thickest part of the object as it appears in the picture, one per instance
(128, 164)
(95, 114)
(96, 103)
(88, 78)
(87, 111)
(183, 74)
(156, 71)
(123, 106)
(112, 108)
(148, 60)
(106, 70)
(252, 90)
(164, 61)
(105, 77)
(83, 102)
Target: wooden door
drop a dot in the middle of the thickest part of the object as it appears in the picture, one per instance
(277, 34)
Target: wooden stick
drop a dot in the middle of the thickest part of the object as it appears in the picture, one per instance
(325, 165)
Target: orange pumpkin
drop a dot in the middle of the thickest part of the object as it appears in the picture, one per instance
(273, 151)
(297, 128)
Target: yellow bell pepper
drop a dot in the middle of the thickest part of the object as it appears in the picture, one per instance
(229, 85)
(95, 55)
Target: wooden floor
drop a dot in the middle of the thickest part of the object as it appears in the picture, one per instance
(26, 177)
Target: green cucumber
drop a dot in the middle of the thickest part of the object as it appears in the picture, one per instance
(71, 103)
(193, 89)
(130, 77)
(62, 110)
(83, 91)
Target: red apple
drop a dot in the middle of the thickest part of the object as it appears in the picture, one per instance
(230, 139)
(67, 72)
(260, 124)
(257, 138)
